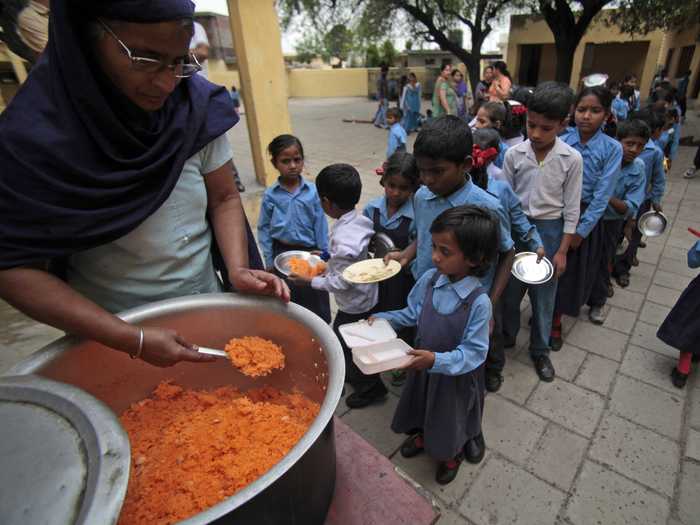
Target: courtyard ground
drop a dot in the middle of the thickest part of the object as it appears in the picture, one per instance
(610, 441)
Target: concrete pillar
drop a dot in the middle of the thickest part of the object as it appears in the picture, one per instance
(258, 45)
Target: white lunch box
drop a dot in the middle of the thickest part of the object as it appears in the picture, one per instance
(375, 347)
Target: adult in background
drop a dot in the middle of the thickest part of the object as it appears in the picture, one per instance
(382, 97)
(444, 95)
(481, 93)
(460, 87)
(116, 186)
(501, 84)
(199, 47)
(682, 91)
(410, 104)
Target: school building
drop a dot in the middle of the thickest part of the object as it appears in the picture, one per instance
(531, 55)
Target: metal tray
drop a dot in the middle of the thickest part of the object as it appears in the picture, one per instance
(528, 270)
(282, 260)
(652, 223)
(65, 457)
(380, 245)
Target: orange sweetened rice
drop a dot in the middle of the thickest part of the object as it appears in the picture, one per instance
(191, 449)
(303, 267)
(255, 356)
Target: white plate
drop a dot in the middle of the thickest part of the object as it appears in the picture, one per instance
(381, 357)
(370, 271)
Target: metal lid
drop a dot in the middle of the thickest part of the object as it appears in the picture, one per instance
(380, 245)
(527, 269)
(65, 457)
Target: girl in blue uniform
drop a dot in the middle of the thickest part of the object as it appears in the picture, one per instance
(393, 215)
(291, 218)
(602, 160)
(442, 401)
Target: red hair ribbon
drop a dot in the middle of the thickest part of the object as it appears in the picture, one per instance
(481, 158)
(518, 110)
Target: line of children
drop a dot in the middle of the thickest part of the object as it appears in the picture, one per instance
(546, 174)
(524, 234)
(602, 158)
(622, 209)
(442, 402)
(291, 218)
(339, 187)
(654, 184)
(392, 214)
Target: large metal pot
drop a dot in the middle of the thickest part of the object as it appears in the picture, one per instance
(300, 487)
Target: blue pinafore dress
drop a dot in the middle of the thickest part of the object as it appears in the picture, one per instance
(446, 409)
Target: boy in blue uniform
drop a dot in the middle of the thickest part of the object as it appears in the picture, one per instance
(442, 403)
(546, 174)
(443, 155)
(623, 206)
(655, 186)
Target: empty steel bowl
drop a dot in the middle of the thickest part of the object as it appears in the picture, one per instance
(652, 223)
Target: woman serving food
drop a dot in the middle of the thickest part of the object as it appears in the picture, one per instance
(117, 186)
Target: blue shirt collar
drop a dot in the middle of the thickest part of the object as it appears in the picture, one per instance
(464, 190)
(304, 185)
(462, 288)
(406, 210)
(592, 141)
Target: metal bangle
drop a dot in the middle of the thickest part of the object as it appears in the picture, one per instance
(137, 354)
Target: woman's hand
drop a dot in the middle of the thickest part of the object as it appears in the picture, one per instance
(422, 360)
(259, 282)
(164, 347)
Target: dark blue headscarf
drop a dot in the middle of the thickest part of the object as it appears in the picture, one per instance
(74, 172)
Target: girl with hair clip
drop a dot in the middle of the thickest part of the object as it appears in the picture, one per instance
(484, 152)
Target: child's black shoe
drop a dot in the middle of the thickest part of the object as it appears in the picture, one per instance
(412, 446)
(447, 470)
(475, 449)
(494, 380)
(363, 399)
(678, 379)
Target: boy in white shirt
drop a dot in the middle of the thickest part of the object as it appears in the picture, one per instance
(546, 174)
(339, 187)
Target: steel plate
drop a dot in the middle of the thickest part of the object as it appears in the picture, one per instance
(528, 270)
(652, 223)
(282, 260)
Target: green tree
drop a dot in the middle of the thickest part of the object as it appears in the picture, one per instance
(372, 56)
(644, 16)
(308, 48)
(408, 45)
(388, 53)
(430, 20)
(338, 42)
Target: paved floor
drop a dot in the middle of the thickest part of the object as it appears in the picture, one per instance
(610, 441)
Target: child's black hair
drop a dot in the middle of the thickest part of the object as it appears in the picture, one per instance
(633, 128)
(394, 112)
(600, 92)
(485, 138)
(403, 164)
(476, 232)
(281, 143)
(445, 138)
(552, 100)
(654, 119)
(626, 92)
(495, 110)
(340, 184)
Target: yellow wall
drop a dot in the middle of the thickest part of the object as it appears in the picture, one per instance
(351, 82)
(223, 74)
(534, 30)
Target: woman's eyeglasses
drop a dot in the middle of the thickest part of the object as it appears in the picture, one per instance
(181, 68)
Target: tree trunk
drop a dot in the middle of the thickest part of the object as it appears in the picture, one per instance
(565, 60)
